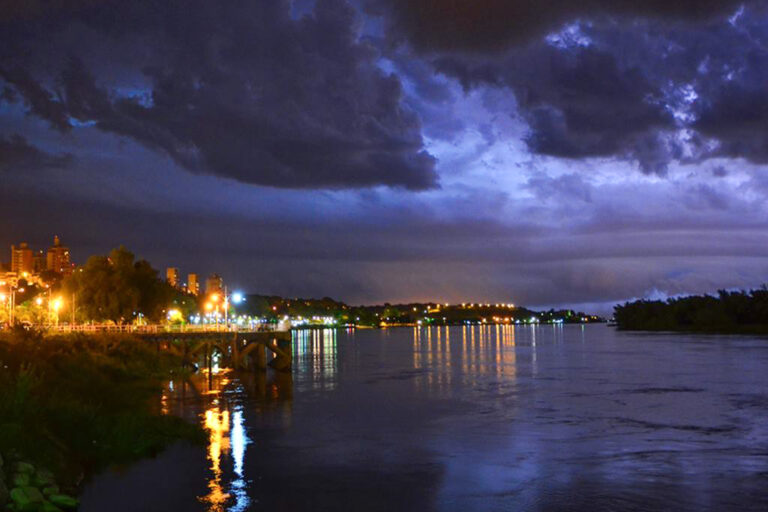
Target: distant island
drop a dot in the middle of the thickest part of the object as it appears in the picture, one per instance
(729, 312)
(327, 311)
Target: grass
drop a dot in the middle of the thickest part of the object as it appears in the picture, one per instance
(75, 404)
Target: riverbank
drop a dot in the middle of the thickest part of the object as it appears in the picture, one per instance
(71, 405)
(741, 312)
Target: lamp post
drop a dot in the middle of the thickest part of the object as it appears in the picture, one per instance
(3, 298)
(11, 298)
(226, 309)
(56, 306)
(208, 306)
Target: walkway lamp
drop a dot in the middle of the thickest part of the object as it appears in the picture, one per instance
(56, 306)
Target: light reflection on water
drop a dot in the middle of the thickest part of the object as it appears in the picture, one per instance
(217, 424)
(483, 349)
(224, 421)
(489, 417)
(316, 357)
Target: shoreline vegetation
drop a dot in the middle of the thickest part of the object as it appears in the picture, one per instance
(728, 312)
(72, 405)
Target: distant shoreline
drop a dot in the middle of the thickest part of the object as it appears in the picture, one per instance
(728, 312)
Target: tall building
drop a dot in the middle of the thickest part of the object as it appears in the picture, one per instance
(22, 259)
(172, 276)
(58, 257)
(39, 262)
(193, 285)
(214, 284)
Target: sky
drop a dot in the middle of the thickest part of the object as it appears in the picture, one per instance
(396, 150)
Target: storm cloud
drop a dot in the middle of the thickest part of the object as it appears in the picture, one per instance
(379, 151)
(242, 90)
(492, 25)
(651, 92)
(18, 155)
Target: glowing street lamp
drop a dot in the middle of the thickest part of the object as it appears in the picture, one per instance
(56, 306)
(174, 315)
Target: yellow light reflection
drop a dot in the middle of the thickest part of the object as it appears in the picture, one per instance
(217, 424)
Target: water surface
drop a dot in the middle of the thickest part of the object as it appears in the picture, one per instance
(470, 418)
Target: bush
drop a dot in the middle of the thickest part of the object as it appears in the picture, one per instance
(76, 403)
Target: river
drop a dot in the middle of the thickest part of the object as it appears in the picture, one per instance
(479, 418)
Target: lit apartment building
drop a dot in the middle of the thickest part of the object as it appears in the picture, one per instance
(214, 284)
(58, 258)
(172, 276)
(193, 284)
(22, 259)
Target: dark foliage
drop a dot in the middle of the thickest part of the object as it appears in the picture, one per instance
(740, 311)
(77, 403)
(118, 288)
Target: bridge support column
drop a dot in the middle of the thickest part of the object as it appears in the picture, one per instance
(235, 353)
(260, 357)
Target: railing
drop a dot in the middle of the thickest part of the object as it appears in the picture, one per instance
(160, 328)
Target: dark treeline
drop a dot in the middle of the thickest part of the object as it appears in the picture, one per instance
(728, 312)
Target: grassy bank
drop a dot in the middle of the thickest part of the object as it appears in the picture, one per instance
(74, 404)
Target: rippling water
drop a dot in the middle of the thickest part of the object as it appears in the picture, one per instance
(476, 418)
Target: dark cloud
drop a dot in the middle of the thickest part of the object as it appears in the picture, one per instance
(410, 256)
(240, 90)
(492, 25)
(737, 117)
(578, 103)
(40, 101)
(18, 155)
(641, 91)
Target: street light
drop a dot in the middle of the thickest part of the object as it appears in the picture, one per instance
(12, 302)
(56, 306)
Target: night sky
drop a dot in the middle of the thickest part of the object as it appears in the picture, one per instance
(394, 150)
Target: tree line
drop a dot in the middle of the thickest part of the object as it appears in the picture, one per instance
(118, 288)
(727, 312)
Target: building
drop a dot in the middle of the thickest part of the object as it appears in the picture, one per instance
(39, 262)
(193, 284)
(172, 276)
(58, 258)
(22, 259)
(214, 284)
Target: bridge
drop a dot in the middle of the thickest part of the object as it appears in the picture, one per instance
(239, 348)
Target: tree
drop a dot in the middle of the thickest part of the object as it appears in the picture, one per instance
(118, 288)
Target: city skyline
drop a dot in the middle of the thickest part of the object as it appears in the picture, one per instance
(578, 157)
